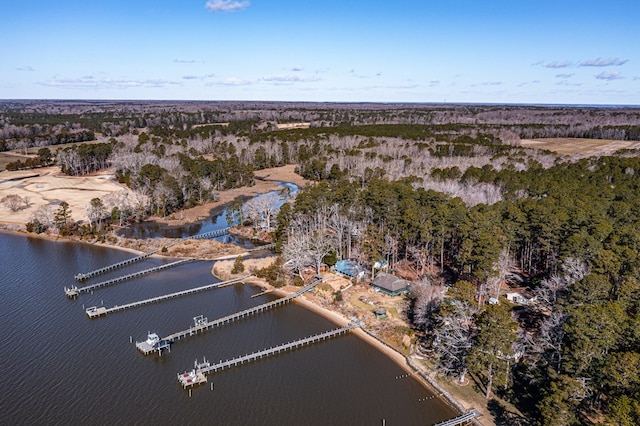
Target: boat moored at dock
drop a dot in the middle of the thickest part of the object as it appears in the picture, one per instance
(153, 344)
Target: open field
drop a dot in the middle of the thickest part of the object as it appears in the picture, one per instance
(19, 154)
(289, 126)
(48, 186)
(9, 157)
(582, 147)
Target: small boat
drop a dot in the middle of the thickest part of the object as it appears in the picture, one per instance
(153, 344)
(152, 339)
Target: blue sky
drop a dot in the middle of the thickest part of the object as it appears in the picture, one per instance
(502, 51)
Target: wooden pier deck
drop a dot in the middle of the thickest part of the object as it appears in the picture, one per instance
(74, 291)
(211, 234)
(195, 377)
(212, 368)
(201, 326)
(94, 312)
(465, 418)
(87, 275)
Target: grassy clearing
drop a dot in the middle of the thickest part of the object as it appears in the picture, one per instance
(583, 147)
(7, 157)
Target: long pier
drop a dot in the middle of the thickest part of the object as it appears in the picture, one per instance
(465, 418)
(212, 368)
(74, 291)
(94, 311)
(201, 326)
(87, 275)
(211, 234)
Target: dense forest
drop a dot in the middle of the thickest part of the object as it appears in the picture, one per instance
(446, 191)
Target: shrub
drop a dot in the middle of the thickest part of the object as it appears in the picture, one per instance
(238, 266)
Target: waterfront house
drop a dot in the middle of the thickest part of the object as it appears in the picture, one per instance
(349, 268)
(390, 284)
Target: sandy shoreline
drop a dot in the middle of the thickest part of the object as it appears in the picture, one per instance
(341, 321)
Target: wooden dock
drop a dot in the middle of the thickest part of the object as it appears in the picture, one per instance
(462, 419)
(210, 234)
(204, 235)
(74, 291)
(195, 377)
(87, 275)
(201, 326)
(212, 368)
(95, 312)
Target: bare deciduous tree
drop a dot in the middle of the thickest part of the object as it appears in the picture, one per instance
(262, 210)
(43, 215)
(453, 340)
(15, 202)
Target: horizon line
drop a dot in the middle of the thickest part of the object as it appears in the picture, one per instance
(460, 103)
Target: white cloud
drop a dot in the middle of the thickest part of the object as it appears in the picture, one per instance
(609, 75)
(564, 75)
(233, 81)
(225, 5)
(558, 64)
(89, 82)
(27, 68)
(184, 61)
(197, 77)
(297, 68)
(567, 84)
(290, 78)
(601, 62)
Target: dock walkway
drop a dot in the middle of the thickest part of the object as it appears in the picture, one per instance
(465, 418)
(201, 326)
(87, 275)
(212, 368)
(211, 234)
(94, 312)
(74, 291)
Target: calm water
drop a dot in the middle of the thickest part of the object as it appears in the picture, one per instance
(217, 220)
(59, 367)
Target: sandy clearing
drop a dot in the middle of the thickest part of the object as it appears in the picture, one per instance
(48, 186)
(582, 147)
